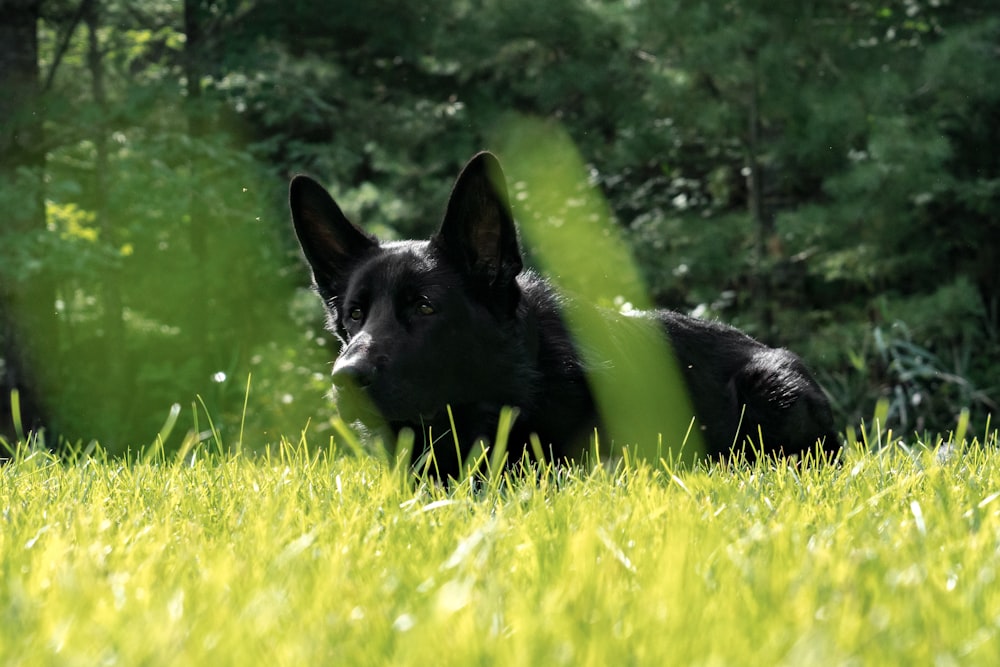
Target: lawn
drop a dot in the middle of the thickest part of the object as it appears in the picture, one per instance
(302, 557)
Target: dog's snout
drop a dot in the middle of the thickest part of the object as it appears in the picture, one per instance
(355, 368)
(353, 371)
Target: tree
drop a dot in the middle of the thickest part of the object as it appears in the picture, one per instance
(27, 325)
(833, 109)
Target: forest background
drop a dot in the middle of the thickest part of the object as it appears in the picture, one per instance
(822, 174)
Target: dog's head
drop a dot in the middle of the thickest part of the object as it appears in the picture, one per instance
(423, 324)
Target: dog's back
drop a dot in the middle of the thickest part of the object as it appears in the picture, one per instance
(744, 390)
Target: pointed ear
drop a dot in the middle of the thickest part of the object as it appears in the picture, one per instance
(478, 231)
(330, 242)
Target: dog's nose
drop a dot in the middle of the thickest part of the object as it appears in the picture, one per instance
(353, 372)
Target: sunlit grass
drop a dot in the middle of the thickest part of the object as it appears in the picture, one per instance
(303, 557)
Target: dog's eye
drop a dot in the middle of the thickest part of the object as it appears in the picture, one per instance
(425, 308)
(356, 314)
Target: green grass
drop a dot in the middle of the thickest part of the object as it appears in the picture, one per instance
(302, 558)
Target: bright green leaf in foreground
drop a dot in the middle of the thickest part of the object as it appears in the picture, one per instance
(568, 225)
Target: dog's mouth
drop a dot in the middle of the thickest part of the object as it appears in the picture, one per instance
(368, 406)
(354, 404)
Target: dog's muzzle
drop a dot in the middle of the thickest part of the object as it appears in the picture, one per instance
(354, 372)
(355, 367)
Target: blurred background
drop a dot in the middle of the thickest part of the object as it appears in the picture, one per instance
(822, 174)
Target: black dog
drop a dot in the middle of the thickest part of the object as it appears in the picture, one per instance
(456, 321)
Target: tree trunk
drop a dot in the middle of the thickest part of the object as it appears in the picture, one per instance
(763, 220)
(113, 326)
(198, 233)
(28, 327)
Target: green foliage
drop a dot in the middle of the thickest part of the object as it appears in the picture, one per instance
(809, 171)
(299, 557)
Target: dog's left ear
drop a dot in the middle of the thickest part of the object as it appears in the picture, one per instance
(478, 230)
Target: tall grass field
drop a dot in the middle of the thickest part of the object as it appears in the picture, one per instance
(306, 557)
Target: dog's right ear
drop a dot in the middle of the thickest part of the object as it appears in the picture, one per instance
(330, 242)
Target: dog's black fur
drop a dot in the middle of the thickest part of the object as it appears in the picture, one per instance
(457, 321)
